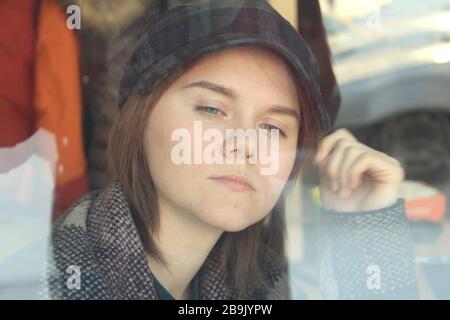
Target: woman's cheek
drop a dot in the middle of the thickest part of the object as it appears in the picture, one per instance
(274, 183)
(286, 160)
(164, 136)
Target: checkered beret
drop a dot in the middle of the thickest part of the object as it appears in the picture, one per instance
(185, 33)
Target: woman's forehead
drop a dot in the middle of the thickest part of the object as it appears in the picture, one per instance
(243, 67)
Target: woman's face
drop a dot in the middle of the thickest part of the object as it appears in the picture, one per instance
(226, 186)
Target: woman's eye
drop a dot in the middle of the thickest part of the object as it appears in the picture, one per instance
(210, 110)
(271, 127)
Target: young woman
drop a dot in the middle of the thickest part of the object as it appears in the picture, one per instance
(188, 216)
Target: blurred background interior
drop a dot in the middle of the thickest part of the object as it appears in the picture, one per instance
(390, 60)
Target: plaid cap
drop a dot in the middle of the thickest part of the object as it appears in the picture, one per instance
(185, 33)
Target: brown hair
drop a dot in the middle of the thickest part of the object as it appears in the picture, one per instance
(241, 252)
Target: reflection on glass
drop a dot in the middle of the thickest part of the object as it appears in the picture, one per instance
(26, 198)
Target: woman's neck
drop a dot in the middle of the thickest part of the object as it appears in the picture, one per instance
(185, 242)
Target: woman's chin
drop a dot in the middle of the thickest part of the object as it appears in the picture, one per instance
(234, 222)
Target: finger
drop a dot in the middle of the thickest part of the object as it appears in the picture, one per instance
(328, 169)
(351, 154)
(377, 166)
(331, 165)
(328, 143)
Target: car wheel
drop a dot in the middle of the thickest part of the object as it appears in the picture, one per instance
(420, 141)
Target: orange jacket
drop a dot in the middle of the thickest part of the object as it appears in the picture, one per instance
(43, 89)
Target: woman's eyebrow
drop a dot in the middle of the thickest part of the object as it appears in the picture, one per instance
(284, 110)
(214, 87)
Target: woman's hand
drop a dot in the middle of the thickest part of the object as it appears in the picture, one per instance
(355, 177)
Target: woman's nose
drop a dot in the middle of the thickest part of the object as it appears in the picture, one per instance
(240, 144)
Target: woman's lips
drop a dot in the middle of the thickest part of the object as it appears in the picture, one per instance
(235, 183)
